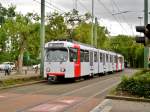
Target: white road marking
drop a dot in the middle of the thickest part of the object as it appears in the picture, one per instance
(2, 96)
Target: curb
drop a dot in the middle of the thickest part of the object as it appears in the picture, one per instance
(23, 84)
(104, 106)
(127, 98)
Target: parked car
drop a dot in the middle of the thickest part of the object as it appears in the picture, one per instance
(34, 66)
(3, 66)
(12, 65)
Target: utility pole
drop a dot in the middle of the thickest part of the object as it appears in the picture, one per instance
(76, 4)
(92, 29)
(146, 48)
(95, 31)
(145, 12)
(42, 36)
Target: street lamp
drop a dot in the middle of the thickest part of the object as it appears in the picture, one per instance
(140, 18)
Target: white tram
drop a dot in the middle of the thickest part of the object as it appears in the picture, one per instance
(64, 59)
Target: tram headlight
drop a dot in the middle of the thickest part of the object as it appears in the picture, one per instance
(62, 69)
(48, 69)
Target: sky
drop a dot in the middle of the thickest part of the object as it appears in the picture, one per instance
(119, 16)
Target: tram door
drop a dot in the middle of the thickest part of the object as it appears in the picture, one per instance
(91, 61)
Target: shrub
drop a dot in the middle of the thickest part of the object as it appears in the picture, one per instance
(139, 84)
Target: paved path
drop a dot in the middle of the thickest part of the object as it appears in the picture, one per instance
(81, 96)
(129, 106)
(13, 74)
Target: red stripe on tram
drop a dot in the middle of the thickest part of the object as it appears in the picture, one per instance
(77, 64)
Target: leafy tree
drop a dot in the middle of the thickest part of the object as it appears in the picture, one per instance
(55, 27)
(127, 46)
(20, 30)
(82, 33)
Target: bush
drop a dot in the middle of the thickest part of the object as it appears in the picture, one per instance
(139, 84)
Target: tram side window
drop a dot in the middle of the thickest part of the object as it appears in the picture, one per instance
(82, 55)
(106, 57)
(86, 56)
(101, 57)
(111, 58)
(115, 59)
(120, 59)
(104, 62)
(73, 54)
(95, 57)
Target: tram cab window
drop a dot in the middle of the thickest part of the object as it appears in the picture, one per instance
(73, 54)
(56, 54)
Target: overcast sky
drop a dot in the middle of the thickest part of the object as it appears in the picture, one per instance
(104, 9)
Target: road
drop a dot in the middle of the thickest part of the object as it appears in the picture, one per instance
(80, 96)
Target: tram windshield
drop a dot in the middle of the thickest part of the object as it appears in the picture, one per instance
(57, 55)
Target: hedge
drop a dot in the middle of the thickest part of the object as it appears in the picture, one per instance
(139, 84)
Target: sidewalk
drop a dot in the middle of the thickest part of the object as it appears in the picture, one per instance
(109, 105)
(129, 106)
(14, 75)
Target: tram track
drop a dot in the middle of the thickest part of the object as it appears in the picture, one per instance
(73, 90)
(71, 93)
(42, 91)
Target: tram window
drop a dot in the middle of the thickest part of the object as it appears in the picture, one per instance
(111, 58)
(73, 54)
(101, 57)
(120, 60)
(106, 57)
(95, 57)
(82, 55)
(56, 55)
(104, 62)
(115, 59)
(86, 56)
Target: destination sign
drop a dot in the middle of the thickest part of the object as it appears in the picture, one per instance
(56, 45)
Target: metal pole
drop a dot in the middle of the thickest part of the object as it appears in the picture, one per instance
(95, 32)
(42, 36)
(76, 4)
(92, 29)
(140, 18)
(146, 49)
(145, 12)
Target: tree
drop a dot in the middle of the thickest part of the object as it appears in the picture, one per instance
(127, 46)
(55, 27)
(20, 29)
(82, 33)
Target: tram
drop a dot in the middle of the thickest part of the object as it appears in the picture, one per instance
(73, 60)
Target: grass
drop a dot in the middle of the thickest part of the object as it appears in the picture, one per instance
(21, 80)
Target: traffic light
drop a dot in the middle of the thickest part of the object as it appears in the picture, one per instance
(146, 31)
(140, 40)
